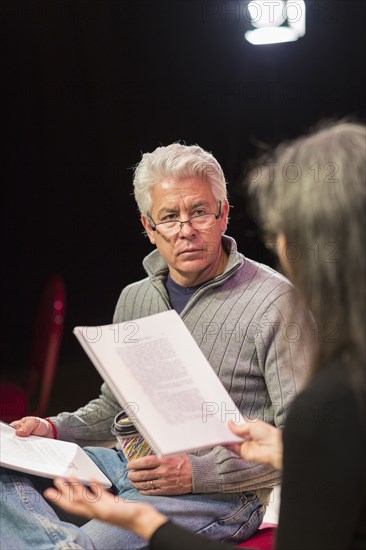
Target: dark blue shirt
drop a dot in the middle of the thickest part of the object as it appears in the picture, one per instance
(179, 295)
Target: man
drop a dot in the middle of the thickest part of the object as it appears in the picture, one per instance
(239, 313)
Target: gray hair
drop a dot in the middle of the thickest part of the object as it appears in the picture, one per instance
(176, 161)
(313, 191)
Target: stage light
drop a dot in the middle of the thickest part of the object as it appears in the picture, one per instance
(276, 21)
(266, 13)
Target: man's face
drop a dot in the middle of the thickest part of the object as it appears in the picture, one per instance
(192, 256)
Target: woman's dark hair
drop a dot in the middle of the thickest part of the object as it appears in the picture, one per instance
(313, 192)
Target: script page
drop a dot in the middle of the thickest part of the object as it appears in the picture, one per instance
(46, 457)
(158, 372)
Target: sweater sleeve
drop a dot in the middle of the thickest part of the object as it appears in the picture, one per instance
(282, 355)
(284, 347)
(91, 424)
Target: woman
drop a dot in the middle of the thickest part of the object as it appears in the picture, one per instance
(311, 197)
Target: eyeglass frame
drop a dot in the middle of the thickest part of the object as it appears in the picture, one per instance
(154, 225)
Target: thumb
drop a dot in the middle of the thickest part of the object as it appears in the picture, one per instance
(239, 429)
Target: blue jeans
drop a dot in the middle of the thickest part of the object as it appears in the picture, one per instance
(28, 521)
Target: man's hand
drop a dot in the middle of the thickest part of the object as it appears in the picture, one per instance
(32, 425)
(161, 476)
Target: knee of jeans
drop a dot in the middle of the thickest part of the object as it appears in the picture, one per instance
(91, 450)
(98, 454)
(109, 461)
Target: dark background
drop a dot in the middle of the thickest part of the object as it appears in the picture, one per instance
(89, 85)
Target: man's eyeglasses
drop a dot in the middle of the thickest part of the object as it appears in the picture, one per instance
(198, 222)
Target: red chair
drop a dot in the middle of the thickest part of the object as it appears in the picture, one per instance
(263, 539)
(16, 402)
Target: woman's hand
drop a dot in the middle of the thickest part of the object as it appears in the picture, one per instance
(262, 442)
(95, 502)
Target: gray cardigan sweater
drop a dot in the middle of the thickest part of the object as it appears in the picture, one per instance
(254, 340)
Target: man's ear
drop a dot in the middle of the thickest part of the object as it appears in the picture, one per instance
(224, 216)
(147, 227)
